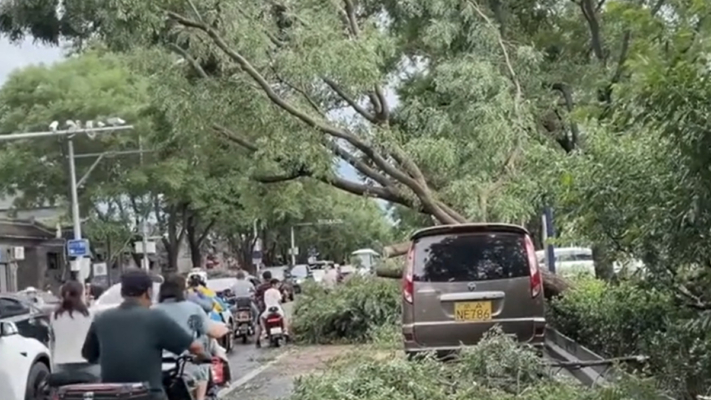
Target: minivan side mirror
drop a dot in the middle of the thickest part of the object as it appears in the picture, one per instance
(8, 329)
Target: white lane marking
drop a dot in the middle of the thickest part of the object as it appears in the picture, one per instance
(250, 375)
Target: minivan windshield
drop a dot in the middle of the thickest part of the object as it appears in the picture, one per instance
(470, 257)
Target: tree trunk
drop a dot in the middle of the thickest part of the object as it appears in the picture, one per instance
(603, 263)
(172, 244)
(194, 242)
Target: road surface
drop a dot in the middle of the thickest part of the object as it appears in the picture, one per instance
(275, 378)
(246, 358)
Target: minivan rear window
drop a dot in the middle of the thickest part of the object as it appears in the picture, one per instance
(470, 257)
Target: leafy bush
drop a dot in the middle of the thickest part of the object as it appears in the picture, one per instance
(611, 319)
(680, 358)
(496, 369)
(352, 312)
(633, 318)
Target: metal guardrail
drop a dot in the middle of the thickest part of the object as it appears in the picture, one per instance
(565, 349)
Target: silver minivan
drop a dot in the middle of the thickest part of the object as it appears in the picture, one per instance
(462, 280)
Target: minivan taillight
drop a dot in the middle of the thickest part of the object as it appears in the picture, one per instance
(535, 272)
(408, 285)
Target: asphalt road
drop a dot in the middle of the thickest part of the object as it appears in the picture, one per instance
(246, 358)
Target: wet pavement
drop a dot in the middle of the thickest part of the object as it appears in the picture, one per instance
(247, 357)
(276, 381)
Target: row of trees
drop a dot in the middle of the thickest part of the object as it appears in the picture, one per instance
(188, 184)
(461, 111)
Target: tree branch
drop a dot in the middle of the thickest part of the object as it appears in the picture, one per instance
(352, 103)
(187, 57)
(567, 94)
(232, 137)
(377, 98)
(206, 231)
(588, 8)
(412, 184)
(388, 191)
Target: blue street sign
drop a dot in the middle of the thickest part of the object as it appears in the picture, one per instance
(77, 247)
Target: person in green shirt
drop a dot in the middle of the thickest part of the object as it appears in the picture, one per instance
(128, 341)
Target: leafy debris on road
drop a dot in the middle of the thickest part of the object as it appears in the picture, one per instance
(354, 312)
(496, 369)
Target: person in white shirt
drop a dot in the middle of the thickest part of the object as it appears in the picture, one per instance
(69, 325)
(330, 278)
(273, 298)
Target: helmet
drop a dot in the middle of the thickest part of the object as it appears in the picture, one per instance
(197, 278)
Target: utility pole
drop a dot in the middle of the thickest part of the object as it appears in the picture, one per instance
(74, 129)
(73, 188)
(292, 250)
(144, 222)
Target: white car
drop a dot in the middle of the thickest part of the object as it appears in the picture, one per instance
(24, 364)
(570, 261)
(111, 298)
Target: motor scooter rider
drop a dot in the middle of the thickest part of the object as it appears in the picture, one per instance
(194, 295)
(244, 288)
(273, 298)
(259, 300)
(195, 321)
(128, 341)
(208, 299)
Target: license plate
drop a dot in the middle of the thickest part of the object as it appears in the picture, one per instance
(243, 316)
(473, 311)
(275, 331)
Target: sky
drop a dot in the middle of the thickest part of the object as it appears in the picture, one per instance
(21, 55)
(27, 53)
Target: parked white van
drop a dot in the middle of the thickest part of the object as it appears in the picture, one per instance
(578, 260)
(570, 260)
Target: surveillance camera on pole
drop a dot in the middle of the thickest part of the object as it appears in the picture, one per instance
(115, 121)
(89, 126)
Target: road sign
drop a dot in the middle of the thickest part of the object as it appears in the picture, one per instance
(77, 247)
(81, 264)
(18, 253)
(100, 269)
(150, 247)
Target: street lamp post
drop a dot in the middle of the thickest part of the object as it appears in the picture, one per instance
(73, 187)
(292, 251)
(73, 129)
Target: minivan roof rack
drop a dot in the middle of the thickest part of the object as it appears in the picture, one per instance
(467, 228)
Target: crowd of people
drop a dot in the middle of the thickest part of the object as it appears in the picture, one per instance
(128, 343)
